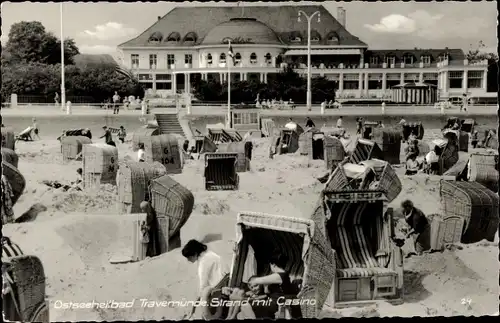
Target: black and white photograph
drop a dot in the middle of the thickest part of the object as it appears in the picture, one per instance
(249, 160)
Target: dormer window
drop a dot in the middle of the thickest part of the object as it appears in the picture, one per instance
(155, 37)
(190, 37)
(374, 60)
(408, 59)
(426, 60)
(296, 39)
(390, 60)
(253, 58)
(237, 58)
(174, 37)
(315, 39)
(209, 59)
(222, 58)
(315, 36)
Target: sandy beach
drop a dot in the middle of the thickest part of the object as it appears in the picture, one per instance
(80, 232)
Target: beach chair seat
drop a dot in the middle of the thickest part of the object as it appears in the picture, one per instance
(364, 272)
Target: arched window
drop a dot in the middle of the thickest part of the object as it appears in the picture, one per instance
(155, 37)
(222, 58)
(332, 38)
(268, 58)
(253, 58)
(237, 58)
(209, 59)
(190, 37)
(174, 37)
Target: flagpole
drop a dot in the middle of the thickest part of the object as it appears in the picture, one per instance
(228, 90)
(63, 90)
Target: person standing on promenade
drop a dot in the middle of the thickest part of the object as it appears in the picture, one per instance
(116, 103)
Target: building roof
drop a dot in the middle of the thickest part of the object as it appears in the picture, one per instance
(281, 19)
(83, 60)
(242, 30)
(453, 54)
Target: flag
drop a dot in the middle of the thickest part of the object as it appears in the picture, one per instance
(230, 52)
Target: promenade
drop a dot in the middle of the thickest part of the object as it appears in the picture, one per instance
(299, 111)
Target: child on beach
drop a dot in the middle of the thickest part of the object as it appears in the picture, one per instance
(122, 134)
(251, 293)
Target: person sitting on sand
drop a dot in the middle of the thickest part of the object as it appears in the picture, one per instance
(432, 160)
(279, 285)
(141, 153)
(122, 134)
(420, 229)
(412, 164)
(412, 149)
(209, 270)
(252, 292)
(25, 135)
(79, 178)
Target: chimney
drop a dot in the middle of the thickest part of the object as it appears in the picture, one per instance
(341, 16)
(159, 17)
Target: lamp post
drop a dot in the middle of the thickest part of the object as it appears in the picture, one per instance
(309, 19)
(63, 90)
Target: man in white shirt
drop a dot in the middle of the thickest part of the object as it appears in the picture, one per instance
(116, 103)
(141, 153)
(339, 122)
(291, 125)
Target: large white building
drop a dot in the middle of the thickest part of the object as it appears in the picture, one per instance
(191, 42)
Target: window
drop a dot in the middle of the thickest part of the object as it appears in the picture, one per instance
(174, 37)
(134, 59)
(408, 59)
(296, 39)
(268, 58)
(163, 86)
(253, 58)
(426, 60)
(170, 60)
(374, 60)
(475, 79)
(163, 77)
(237, 58)
(390, 60)
(152, 61)
(237, 118)
(455, 79)
(333, 38)
(222, 58)
(191, 36)
(209, 59)
(145, 77)
(188, 59)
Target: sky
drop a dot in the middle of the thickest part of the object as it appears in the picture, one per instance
(98, 28)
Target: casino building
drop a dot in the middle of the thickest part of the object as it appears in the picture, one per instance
(192, 42)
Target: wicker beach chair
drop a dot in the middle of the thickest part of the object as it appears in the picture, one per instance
(72, 146)
(203, 144)
(100, 165)
(365, 150)
(133, 183)
(416, 127)
(334, 151)
(16, 180)
(220, 171)
(267, 127)
(140, 134)
(312, 144)
(389, 142)
(475, 204)
(311, 262)
(289, 141)
(483, 168)
(385, 175)
(468, 125)
(368, 127)
(173, 204)
(8, 138)
(449, 155)
(243, 163)
(219, 136)
(359, 227)
(165, 150)
(10, 156)
(26, 280)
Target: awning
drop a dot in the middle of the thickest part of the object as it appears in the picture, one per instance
(339, 51)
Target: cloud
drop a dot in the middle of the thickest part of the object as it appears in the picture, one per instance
(110, 30)
(432, 27)
(97, 49)
(416, 22)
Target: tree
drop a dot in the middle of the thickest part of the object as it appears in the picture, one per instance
(479, 54)
(29, 42)
(285, 85)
